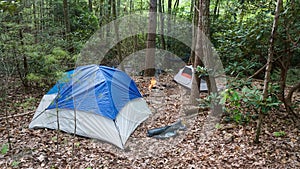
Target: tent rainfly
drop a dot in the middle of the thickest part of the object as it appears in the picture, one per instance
(106, 103)
(185, 78)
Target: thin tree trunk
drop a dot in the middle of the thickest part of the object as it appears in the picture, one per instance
(285, 62)
(176, 4)
(131, 6)
(35, 22)
(118, 7)
(169, 24)
(198, 56)
(162, 22)
(23, 73)
(192, 8)
(207, 53)
(194, 31)
(66, 19)
(116, 29)
(216, 8)
(268, 68)
(108, 18)
(141, 3)
(150, 53)
(41, 16)
(90, 5)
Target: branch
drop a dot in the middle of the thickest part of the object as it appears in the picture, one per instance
(262, 68)
(291, 92)
(17, 115)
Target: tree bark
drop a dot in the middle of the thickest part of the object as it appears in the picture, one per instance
(108, 19)
(150, 53)
(162, 22)
(116, 29)
(35, 22)
(169, 28)
(194, 30)
(202, 30)
(90, 5)
(66, 18)
(268, 67)
(192, 8)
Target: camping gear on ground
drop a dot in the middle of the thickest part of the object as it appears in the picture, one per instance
(106, 103)
(156, 131)
(166, 131)
(185, 78)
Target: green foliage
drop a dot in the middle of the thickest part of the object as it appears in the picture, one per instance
(201, 71)
(29, 103)
(279, 134)
(54, 138)
(241, 34)
(218, 126)
(15, 164)
(82, 22)
(9, 6)
(4, 149)
(293, 76)
(48, 69)
(243, 102)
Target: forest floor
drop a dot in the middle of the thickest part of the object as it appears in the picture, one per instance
(229, 145)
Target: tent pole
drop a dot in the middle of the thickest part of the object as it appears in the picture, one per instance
(119, 133)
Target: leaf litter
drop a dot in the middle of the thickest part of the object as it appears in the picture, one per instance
(229, 146)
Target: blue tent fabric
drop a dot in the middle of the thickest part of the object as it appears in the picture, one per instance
(96, 89)
(65, 79)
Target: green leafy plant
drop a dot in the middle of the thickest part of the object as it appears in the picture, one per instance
(4, 149)
(218, 126)
(54, 138)
(15, 164)
(237, 99)
(29, 103)
(279, 133)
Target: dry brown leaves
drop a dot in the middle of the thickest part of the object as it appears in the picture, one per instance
(230, 146)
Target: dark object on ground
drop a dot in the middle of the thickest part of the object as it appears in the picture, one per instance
(157, 131)
(166, 131)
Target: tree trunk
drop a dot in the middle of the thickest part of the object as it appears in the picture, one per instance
(194, 31)
(35, 22)
(24, 70)
(288, 103)
(131, 6)
(66, 19)
(90, 5)
(116, 29)
(268, 67)
(162, 22)
(108, 19)
(150, 53)
(285, 62)
(216, 8)
(192, 8)
(169, 23)
(118, 7)
(202, 29)
(176, 4)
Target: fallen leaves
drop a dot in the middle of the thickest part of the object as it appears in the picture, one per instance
(229, 146)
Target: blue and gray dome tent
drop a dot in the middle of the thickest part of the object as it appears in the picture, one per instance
(106, 101)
